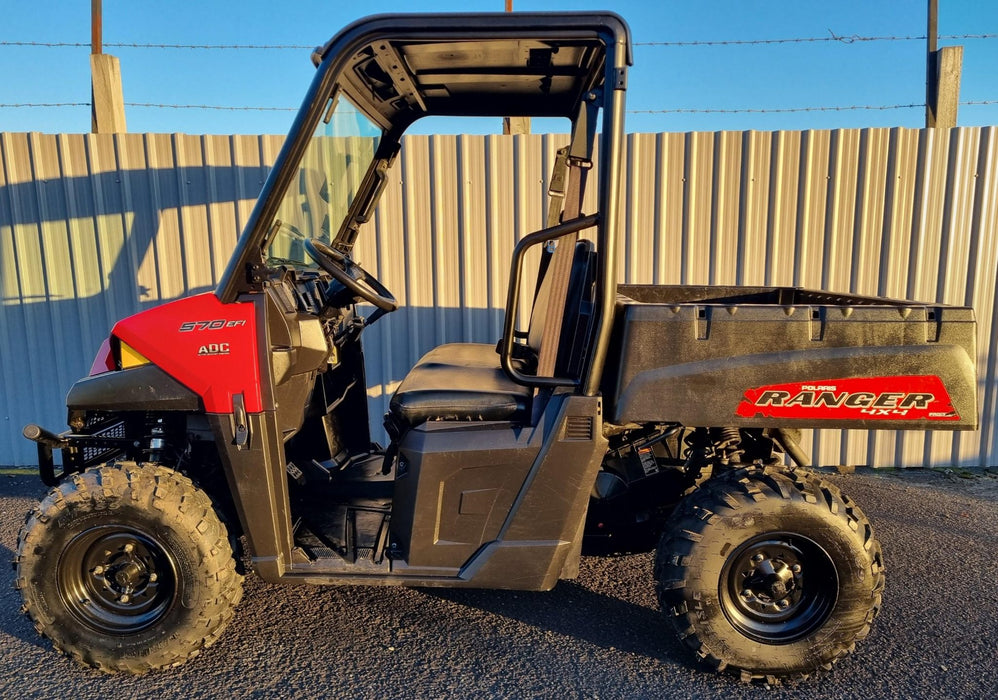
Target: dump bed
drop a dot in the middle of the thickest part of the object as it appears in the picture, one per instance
(784, 356)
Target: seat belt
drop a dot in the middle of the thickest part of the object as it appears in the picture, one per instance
(572, 167)
(557, 189)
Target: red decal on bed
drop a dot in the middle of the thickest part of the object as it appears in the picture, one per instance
(918, 397)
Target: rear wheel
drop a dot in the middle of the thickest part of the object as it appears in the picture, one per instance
(770, 574)
(127, 568)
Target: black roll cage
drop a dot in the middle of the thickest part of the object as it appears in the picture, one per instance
(604, 34)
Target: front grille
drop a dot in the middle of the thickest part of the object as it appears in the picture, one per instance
(102, 425)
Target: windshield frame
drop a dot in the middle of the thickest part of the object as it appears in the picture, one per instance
(322, 197)
(247, 269)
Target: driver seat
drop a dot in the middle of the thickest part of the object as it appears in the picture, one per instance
(463, 381)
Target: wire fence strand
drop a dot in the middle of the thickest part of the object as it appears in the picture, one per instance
(226, 108)
(774, 110)
(229, 108)
(675, 110)
(18, 105)
(135, 45)
(832, 37)
(785, 110)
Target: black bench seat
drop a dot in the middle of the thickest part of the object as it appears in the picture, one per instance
(460, 381)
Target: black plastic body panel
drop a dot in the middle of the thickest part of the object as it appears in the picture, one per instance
(689, 354)
(145, 388)
(258, 483)
(515, 521)
(516, 524)
(456, 486)
(541, 540)
(298, 350)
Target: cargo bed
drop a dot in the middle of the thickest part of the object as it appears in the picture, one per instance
(791, 357)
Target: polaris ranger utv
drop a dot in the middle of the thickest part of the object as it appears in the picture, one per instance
(619, 416)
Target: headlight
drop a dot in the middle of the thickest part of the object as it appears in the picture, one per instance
(127, 356)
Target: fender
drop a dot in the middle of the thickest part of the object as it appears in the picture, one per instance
(145, 388)
(209, 347)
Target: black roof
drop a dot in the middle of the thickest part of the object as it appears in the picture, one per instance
(484, 64)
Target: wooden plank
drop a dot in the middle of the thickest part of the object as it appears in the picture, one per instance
(949, 61)
(108, 107)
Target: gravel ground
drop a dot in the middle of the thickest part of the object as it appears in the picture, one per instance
(600, 636)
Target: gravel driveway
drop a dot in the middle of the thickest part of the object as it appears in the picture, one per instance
(600, 636)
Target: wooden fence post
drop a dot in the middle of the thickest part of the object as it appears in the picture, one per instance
(949, 61)
(108, 106)
(107, 101)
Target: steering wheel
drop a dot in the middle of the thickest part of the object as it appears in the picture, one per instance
(356, 279)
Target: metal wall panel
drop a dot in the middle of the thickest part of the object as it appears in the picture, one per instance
(93, 228)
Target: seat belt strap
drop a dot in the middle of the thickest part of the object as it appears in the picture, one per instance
(557, 190)
(577, 165)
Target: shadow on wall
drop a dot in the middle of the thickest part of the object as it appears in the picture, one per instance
(79, 253)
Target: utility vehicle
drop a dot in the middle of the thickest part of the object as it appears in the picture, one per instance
(616, 417)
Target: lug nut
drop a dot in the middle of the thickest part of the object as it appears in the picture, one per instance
(782, 604)
(124, 598)
(98, 570)
(153, 578)
(129, 547)
(795, 568)
(757, 558)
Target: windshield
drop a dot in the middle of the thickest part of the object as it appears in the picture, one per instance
(329, 175)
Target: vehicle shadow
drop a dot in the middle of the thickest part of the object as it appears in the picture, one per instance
(574, 610)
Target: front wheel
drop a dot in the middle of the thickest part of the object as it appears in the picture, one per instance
(127, 568)
(770, 574)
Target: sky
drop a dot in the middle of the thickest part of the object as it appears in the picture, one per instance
(725, 77)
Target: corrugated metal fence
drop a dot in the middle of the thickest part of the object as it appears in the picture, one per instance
(93, 228)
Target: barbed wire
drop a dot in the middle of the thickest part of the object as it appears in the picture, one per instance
(784, 110)
(833, 37)
(773, 110)
(132, 45)
(228, 108)
(676, 110)
(15, 105)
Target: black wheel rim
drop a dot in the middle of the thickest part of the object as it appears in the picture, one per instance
(778, 587)
(117, 579)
